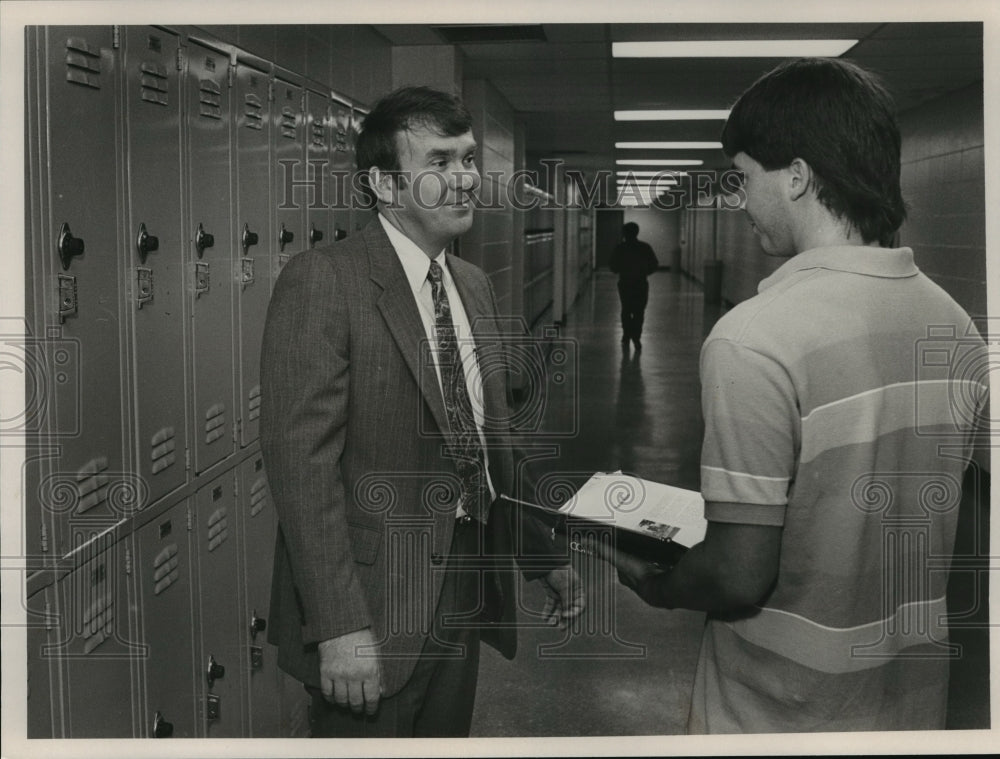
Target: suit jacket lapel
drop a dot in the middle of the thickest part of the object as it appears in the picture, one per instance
(400, 312)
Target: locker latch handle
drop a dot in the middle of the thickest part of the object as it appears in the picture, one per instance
(285, 236)
(69, 246)
(315, 235)
(215, 671)
(249, 238)
(339, 234)
(162, 728)
(146, 243)
(257, 624)
(202, 240)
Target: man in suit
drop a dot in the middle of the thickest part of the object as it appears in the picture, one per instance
(387, 440)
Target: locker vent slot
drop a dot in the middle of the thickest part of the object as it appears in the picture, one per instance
(155, 84)
(289, 120)
(162, 448)
(83, 63)
(254, 402)
(254, 112)
(258, 496)
(215, 422)
(97, 622)
(318, 138)
(165, 569)
(218, 528)
(92, 484)
(210, 99)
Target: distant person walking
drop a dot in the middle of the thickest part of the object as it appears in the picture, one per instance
(633, 260)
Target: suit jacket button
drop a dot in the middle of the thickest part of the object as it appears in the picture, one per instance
(436, 558)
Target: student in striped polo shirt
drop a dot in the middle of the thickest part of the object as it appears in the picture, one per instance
(841, 405)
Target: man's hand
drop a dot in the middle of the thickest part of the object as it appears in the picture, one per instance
(566, 598)
(633, 572)
(349, 671)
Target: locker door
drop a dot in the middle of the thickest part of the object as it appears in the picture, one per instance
(259, 526)
(290, 196)
(76, 351)
(155, 245)
(220, 664)
(95, 642)
(164, 579)
(253, 235)
(316, 168)
(341, 170)
(360, 214)
(210, 253)
(43, 671)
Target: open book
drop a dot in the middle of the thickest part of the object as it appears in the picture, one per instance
(654, 521)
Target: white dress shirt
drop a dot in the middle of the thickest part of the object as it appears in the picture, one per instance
(416, 264)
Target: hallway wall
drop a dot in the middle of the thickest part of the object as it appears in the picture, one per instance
(943, 182)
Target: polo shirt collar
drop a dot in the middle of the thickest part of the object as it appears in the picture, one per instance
(415, 262)
(869, 261)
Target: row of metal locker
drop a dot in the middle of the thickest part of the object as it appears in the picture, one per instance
(170, 177)
(160, 629)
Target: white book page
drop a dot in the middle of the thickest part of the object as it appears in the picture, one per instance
(643, 506)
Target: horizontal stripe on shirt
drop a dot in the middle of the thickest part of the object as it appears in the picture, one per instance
(837, 650)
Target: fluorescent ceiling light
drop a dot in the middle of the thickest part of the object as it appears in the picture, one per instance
(664, 174)
(646, 182)
(669, 145)
(671, 115)
(659, 162)
(732, 49)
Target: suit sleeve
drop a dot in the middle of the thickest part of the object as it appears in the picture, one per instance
(305, 385)
(652, 262)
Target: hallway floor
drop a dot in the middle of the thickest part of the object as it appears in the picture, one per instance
(625, 668)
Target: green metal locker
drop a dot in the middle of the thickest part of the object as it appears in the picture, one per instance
(155, 244)
(341, 172)
(259, 528)
(43, 671)
(289, 190)
(73, 355)
(222, 632)
(316, 167)
(164, 578)
(359, 216)
(252, 136)
(96, 640)
(209, 250)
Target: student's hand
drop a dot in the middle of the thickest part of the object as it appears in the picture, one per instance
(349, 672)
(566, 597)
(634, 573)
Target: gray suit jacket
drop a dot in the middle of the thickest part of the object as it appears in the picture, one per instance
(352, 434)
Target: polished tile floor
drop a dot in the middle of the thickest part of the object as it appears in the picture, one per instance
(624, 668)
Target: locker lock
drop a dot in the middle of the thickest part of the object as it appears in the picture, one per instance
(145, 243)
(249, 238)
(162, 728)
(285, 236)
(202, 240)
(339, 234)
(257, 624)
(315, 235)
(69, 246)
(215, 671)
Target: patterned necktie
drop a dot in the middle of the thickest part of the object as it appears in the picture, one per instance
(466, 445)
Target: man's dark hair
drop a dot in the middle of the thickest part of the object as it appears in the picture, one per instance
(839, 119)
(403, 109)
(630, 230)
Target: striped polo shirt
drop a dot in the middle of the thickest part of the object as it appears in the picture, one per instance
(840, 403)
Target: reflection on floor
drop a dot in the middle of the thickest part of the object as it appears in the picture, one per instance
(624, 668)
